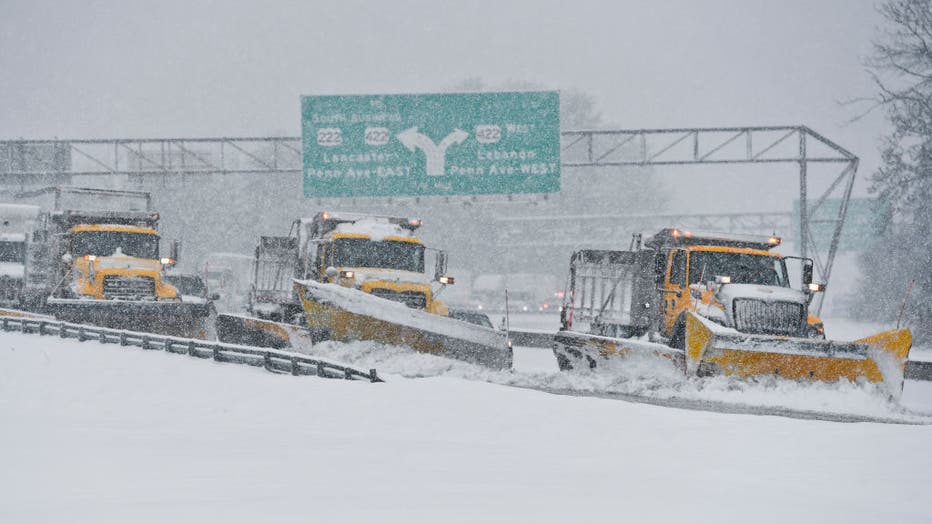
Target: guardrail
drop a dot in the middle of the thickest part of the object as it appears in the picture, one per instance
(276, 361)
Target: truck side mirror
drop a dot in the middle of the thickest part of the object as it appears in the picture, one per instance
(175, 250)
(440, 268)
(807, 273)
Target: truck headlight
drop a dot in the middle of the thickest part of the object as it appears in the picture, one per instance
(815, 331)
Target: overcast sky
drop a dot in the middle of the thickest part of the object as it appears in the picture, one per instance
(101, 69)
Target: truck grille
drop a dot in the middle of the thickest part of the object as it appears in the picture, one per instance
(129, 288)
(769, 318)
(412, 299)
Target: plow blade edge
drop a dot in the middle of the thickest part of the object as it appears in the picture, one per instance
(180, 319)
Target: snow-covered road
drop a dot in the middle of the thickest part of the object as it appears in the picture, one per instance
(95, 433)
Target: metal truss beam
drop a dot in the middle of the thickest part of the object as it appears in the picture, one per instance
(606, 231)
(156, 156)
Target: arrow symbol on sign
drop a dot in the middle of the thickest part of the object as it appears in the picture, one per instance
(436, 154)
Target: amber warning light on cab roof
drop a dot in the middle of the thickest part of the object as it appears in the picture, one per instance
(407, 223)
(676, 236)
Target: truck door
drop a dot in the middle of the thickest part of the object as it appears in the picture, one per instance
(323, 260)
(673, 288)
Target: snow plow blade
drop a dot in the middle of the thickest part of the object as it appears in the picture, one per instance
(713, 349)
(180, 319)
(584, 351)
(343, 314)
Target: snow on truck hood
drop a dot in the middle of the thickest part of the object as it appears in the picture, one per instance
(387, 275)
(729, 292)
(127, 263)
(377, 230)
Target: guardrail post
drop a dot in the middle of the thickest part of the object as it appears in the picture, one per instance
(62, 330)
(145, 342)
(23, 327)
(103, 337)
(122, 338)
(348, 374)
(216, 349)
(81, 334)
(267, 361)
(167, 345)
(41, 327)
(191, 349)
(6, 324)
(373, 377)
(294, 366)
(320, 370)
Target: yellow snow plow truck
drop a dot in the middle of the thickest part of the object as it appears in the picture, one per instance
(712, 304)
(96, 260)
(375, 254)
(351, 276)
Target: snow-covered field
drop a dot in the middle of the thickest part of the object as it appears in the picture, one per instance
(92, 433)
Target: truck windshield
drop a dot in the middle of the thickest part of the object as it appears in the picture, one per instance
(741, 267)
(386, 254)
(12, 252)
(115, 243)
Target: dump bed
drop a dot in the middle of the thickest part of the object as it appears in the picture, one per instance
(275, 267)
(70, 206)
(611, 292)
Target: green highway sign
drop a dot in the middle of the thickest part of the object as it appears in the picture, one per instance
(865, 220)
(432, 144)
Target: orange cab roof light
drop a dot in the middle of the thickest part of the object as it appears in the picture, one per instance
(680, 237)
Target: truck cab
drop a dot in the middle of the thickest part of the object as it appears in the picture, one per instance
(734, 280)
(17, 226)
(377, 255)
(116, 262)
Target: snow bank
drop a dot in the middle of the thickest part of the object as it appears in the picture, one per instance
(640, 375)
(101, 434)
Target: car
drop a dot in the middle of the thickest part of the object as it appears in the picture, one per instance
(473, 317)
